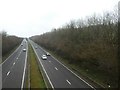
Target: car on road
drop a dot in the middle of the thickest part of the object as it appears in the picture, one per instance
(21, 44)
(48, 54)
(24, 50)
(44, 57)
(36, 47)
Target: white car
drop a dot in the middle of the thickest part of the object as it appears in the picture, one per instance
(24, 50)
(44, 57)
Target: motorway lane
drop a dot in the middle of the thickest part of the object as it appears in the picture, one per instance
(9, 62)
(13, 68)
(59, 76)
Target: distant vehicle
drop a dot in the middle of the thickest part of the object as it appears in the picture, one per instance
(47, 54)
(44, 57)
(21, 44)
(24, 50)
(36, 47)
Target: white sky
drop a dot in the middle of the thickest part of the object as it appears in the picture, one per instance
(26, 18)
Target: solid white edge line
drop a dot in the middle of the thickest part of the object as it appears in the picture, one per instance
(11, 54)
(8, 73)
(68, 82)
(74, 74)
(70, 71)
(43, 68)
(24, 68)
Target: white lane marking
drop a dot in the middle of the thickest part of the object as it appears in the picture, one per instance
(74, 73)
(56, 68)
(23, 78)
(11, 54)
(19, 55)
(68, 82)
(8, 73)
(49, 61)
(71, 71)
(14, 63)
(43, 68)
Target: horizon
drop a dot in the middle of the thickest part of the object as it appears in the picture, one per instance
(36, 17)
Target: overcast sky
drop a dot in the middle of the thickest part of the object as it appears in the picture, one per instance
(26, 18)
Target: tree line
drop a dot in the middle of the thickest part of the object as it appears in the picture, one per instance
(91, 43)
(9, 42)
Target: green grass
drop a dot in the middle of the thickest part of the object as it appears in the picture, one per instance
(36, 79)
(93, 75)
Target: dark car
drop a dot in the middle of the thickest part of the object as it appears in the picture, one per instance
(48, 54)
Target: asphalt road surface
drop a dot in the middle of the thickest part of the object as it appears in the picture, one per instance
(59, 75)
(13, 68)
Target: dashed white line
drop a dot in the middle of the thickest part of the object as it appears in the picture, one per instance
(56, 68)
(14, 63)
(19, 54)
(68, 82)
(11, 55)
(74, 73)
(8, 73)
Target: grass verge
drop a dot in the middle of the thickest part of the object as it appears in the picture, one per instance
(36, 79)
